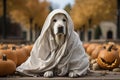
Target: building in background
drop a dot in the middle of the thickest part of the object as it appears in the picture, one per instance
(96, 19)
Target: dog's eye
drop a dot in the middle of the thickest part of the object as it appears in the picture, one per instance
(64, 20)
(54, 20)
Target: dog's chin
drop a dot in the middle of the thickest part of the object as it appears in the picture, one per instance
(60, 38)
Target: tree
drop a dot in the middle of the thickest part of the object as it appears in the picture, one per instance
(6, 7)
(34, 12)
(27, 12)
(94, 10)
(68, 8)
(1, 13)
(11, 5)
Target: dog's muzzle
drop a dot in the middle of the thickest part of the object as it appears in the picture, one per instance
(60, 30)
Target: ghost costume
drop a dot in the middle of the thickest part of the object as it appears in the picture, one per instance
(46, 55)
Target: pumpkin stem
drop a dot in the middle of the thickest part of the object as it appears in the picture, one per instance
(111, 46)
(4, 57)
(13, 48)
(104, 47)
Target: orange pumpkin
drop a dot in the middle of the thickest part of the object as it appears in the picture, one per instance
(28, 49)
(118, 47)
(4, 46)
(21, 55)
(85, 45)
(90, 48)
(96, 51)
(9, 53)
(109, 44)
(108, 58)
(11, 45)
(7, 66)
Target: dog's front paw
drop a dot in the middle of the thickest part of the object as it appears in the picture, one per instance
(72, 75)
(48, 74)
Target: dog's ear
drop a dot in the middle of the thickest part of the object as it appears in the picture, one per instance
(66, 23)
(51, 28)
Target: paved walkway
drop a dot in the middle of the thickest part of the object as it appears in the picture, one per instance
(92, 75)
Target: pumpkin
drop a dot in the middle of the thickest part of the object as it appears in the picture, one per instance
(21, 55)
(118, 49)
(11, 45)
(90, 48)
(9, 53)
(4, 46)
(96, 51)
(109, 44)
(7, 66)
(85, 45)
(108, 58)
(28, 49)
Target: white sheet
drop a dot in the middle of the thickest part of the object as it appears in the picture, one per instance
(45, 54)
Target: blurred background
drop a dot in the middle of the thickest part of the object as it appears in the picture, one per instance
(93, 19)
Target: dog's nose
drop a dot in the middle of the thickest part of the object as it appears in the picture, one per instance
(60, 29)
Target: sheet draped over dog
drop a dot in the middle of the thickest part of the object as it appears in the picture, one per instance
(46, 55)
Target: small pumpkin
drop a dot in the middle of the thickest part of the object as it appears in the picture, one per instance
(108, 58)
(4, 46)
(9, 53)
(7, 66)
(85, 45)
(90, 48)
(118, 49)
(96, 51)
(11, 45)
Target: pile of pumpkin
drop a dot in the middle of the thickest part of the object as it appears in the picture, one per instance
(11, 56)
(104, 56)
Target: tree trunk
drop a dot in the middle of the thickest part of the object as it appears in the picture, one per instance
(4, 32)
(31, 22)
(118, 19)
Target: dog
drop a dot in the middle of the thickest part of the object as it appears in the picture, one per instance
(58, 50)
(59, 28)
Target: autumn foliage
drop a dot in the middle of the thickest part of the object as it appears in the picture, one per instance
(22, 11)
(94, 10)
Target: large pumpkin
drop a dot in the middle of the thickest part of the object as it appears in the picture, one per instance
(7, 66)
(28, 49)
(21, 55)
(114, 46)
(108, 58)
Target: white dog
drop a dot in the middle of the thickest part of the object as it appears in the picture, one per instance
(58, 50)
(59, 28)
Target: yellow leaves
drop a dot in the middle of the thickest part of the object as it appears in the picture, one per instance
(97, 10)
(19, 17)
(22, 10)
(32, 9)
(1, 13)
